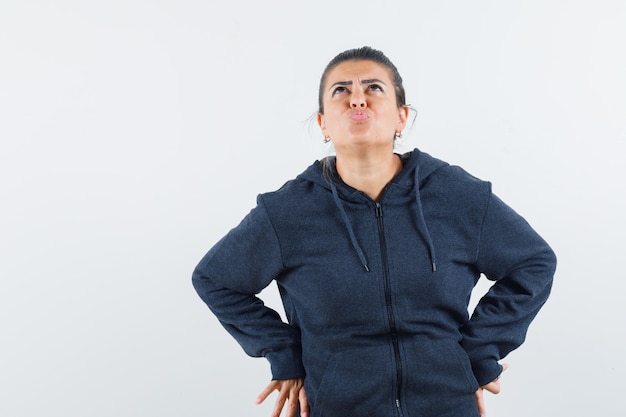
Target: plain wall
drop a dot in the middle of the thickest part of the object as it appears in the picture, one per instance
(135, 133)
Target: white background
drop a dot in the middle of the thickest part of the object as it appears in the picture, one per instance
(135, 133)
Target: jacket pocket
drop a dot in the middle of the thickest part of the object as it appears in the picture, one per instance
(439, 366)
(357, 382)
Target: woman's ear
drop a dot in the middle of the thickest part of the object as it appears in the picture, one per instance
(403, 112)
(321, 123)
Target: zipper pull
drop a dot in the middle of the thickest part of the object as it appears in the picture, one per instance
(379, 210)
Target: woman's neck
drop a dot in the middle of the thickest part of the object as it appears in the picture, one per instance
(369, 172)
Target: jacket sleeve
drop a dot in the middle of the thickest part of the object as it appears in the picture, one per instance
(229, 277)
(522, 265)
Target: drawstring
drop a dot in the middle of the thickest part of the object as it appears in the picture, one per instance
(420, 218)
(344, 216)
(422, 221)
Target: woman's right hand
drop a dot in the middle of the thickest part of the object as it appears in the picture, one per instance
(289, 390)
(493, 387)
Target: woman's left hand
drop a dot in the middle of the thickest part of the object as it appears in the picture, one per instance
(291, 392)
(493, 387)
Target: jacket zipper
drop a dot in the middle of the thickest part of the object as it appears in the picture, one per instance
(390, 316)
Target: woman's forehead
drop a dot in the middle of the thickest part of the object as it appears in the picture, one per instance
(349, 70)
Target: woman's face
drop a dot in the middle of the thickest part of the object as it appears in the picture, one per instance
(360, 106)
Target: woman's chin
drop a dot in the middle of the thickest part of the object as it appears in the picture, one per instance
(363, 142)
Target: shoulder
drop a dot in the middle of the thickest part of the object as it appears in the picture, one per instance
(295, 199)
(432, 168)
(456, 187)
(461, 180)
(290, 193)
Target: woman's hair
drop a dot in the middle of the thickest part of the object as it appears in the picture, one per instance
(364, 53)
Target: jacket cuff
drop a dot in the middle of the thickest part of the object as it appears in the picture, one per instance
(286, 363)
(486, 371)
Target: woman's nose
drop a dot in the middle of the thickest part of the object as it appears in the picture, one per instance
(357, 100)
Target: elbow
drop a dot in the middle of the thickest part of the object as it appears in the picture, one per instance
(546, 270)
(199, 280)
(550, 260)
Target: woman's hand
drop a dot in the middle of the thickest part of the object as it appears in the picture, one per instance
(289, 390)
(493, 387)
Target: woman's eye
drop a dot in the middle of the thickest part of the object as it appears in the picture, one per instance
(375, 87)
(339, 90)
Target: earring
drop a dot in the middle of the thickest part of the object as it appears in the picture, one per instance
(398, 135)
(327, 139)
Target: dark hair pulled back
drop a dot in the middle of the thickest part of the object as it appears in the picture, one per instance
(364, 53)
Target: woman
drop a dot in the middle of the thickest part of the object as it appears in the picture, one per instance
(375, 256)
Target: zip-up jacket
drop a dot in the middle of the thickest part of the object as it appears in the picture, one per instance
(376, 293)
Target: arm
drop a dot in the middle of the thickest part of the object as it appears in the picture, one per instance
(228, 278)
(522, 265)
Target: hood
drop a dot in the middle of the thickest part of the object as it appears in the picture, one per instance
(417, 167)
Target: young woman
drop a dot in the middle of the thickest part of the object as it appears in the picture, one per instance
(375, 256)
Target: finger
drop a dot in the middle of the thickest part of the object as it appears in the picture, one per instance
(280, 403)
(266, 392)
(294, 397)
(304, 403)
(480, 402)
(292, 407)
(278, 406)
(493, 387)
(504, 367)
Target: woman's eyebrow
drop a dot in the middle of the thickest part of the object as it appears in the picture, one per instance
(372, 81)
(346, 83)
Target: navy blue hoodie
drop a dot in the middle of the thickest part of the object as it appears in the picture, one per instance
(376, 293)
